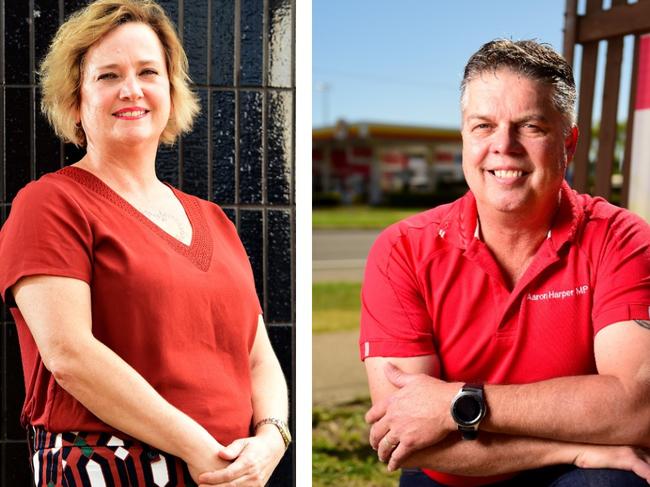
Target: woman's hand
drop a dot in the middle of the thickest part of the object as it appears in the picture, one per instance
(208, 461)
(628, 458)
(253, 460)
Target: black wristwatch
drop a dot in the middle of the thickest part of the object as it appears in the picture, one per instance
(468, 408)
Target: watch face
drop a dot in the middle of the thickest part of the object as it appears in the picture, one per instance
(467, 409)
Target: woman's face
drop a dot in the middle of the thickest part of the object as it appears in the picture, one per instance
(125, 89)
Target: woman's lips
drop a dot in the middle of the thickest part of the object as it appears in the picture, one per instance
(131, 114)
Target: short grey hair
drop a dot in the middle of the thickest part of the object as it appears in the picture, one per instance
(535, 60)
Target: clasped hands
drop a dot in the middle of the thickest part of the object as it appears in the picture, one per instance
(246, 462)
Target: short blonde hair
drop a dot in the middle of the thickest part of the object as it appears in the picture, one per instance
(61, 69)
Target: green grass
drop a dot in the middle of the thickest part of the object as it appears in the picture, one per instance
(335, 306)
(363, 217)
(341, 455)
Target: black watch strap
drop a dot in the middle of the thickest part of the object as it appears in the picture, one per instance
(468, 433)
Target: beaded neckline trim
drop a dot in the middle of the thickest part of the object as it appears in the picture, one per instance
(199, 251)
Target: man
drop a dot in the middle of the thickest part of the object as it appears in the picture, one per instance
(506, 335)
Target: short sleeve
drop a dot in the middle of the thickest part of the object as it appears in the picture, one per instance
(394, 319)
(622, 284)
(46, 233)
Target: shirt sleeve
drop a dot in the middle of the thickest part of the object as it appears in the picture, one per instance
(622, 284)
(394, 319)
(47, 233)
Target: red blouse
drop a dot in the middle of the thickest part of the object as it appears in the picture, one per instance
(183, 316)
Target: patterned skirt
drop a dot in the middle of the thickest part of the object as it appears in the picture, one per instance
(77, 459)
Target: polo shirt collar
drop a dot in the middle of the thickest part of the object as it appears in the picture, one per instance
(461, 225)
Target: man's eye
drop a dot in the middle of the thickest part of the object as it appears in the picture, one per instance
(107, 76)
(482, 126)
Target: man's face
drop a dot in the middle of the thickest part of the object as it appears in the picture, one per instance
(515, 150)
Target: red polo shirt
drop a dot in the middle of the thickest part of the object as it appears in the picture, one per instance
(432, 286)
(183, 316)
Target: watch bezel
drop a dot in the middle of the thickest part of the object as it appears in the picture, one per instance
(477, 396)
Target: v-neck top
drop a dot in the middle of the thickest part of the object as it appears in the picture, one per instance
(432, 287)
(183, 316)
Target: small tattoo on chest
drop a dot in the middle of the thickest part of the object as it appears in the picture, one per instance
(644, 323)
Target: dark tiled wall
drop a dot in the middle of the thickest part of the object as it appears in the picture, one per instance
(240, 155)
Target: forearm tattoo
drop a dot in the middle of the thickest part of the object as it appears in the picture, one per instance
(643, 323)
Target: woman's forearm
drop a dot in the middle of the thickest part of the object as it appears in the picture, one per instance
(114, 392)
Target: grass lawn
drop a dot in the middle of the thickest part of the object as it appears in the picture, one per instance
(341, 454)
(335, 306)
(358, 217)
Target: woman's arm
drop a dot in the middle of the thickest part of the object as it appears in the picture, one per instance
(57, 311)
(255, 458)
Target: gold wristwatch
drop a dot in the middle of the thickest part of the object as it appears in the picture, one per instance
(282, 427)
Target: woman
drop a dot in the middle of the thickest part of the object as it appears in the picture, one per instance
(143, 346)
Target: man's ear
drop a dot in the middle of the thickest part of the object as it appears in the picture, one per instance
(570, 143)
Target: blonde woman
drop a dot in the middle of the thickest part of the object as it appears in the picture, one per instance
(145, 356)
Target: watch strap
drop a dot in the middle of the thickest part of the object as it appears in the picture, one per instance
(282, 427)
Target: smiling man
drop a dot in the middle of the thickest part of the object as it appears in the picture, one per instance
(506, 335)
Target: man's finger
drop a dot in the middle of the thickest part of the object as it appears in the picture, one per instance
(397, 376)
(386, 447)
(378, 431)
(376, 412)
(397, 457)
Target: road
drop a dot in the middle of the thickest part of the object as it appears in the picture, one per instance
(340, 255)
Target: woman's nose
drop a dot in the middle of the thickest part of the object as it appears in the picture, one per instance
(130, 89)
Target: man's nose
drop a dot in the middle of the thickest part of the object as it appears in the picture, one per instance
(505, 140)
(130, 89)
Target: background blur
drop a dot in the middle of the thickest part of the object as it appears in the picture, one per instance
(386, 144)
(240, 155)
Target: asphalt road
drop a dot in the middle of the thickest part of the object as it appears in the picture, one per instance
(340, 255)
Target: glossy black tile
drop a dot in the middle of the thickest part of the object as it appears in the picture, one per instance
(171, 9)
(167, 164)
(195, 35)
(3, 372)
(72, 153)
(231, 214)
(16, 42)
(18, 471)
(71, 6)
(223, 147)
(279, 262)
(18, 139)
(223, 42)
(280, 69)
(15, 384)
(252, 48)
(252, 236)
(47, 147)
(250, 147)
(282, 340)
(279, 147)
(195, 153)
(46, 23)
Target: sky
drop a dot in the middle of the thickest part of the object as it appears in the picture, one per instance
(402, 62)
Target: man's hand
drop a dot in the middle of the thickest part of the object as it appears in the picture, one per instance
(253, 461)
(414, 417)
(619, 457)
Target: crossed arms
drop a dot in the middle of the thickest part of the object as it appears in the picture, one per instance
(580, 419)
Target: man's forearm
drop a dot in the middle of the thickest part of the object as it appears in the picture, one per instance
(492, 454)
(591, 409)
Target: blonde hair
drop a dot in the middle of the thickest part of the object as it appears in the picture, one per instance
(61, 69)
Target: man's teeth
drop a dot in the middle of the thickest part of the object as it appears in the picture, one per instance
(508, 174)
(131, 114)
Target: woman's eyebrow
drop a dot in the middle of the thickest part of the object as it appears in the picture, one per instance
(115, 65)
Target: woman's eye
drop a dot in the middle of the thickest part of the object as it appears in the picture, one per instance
(150, 72)
(107, 76)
